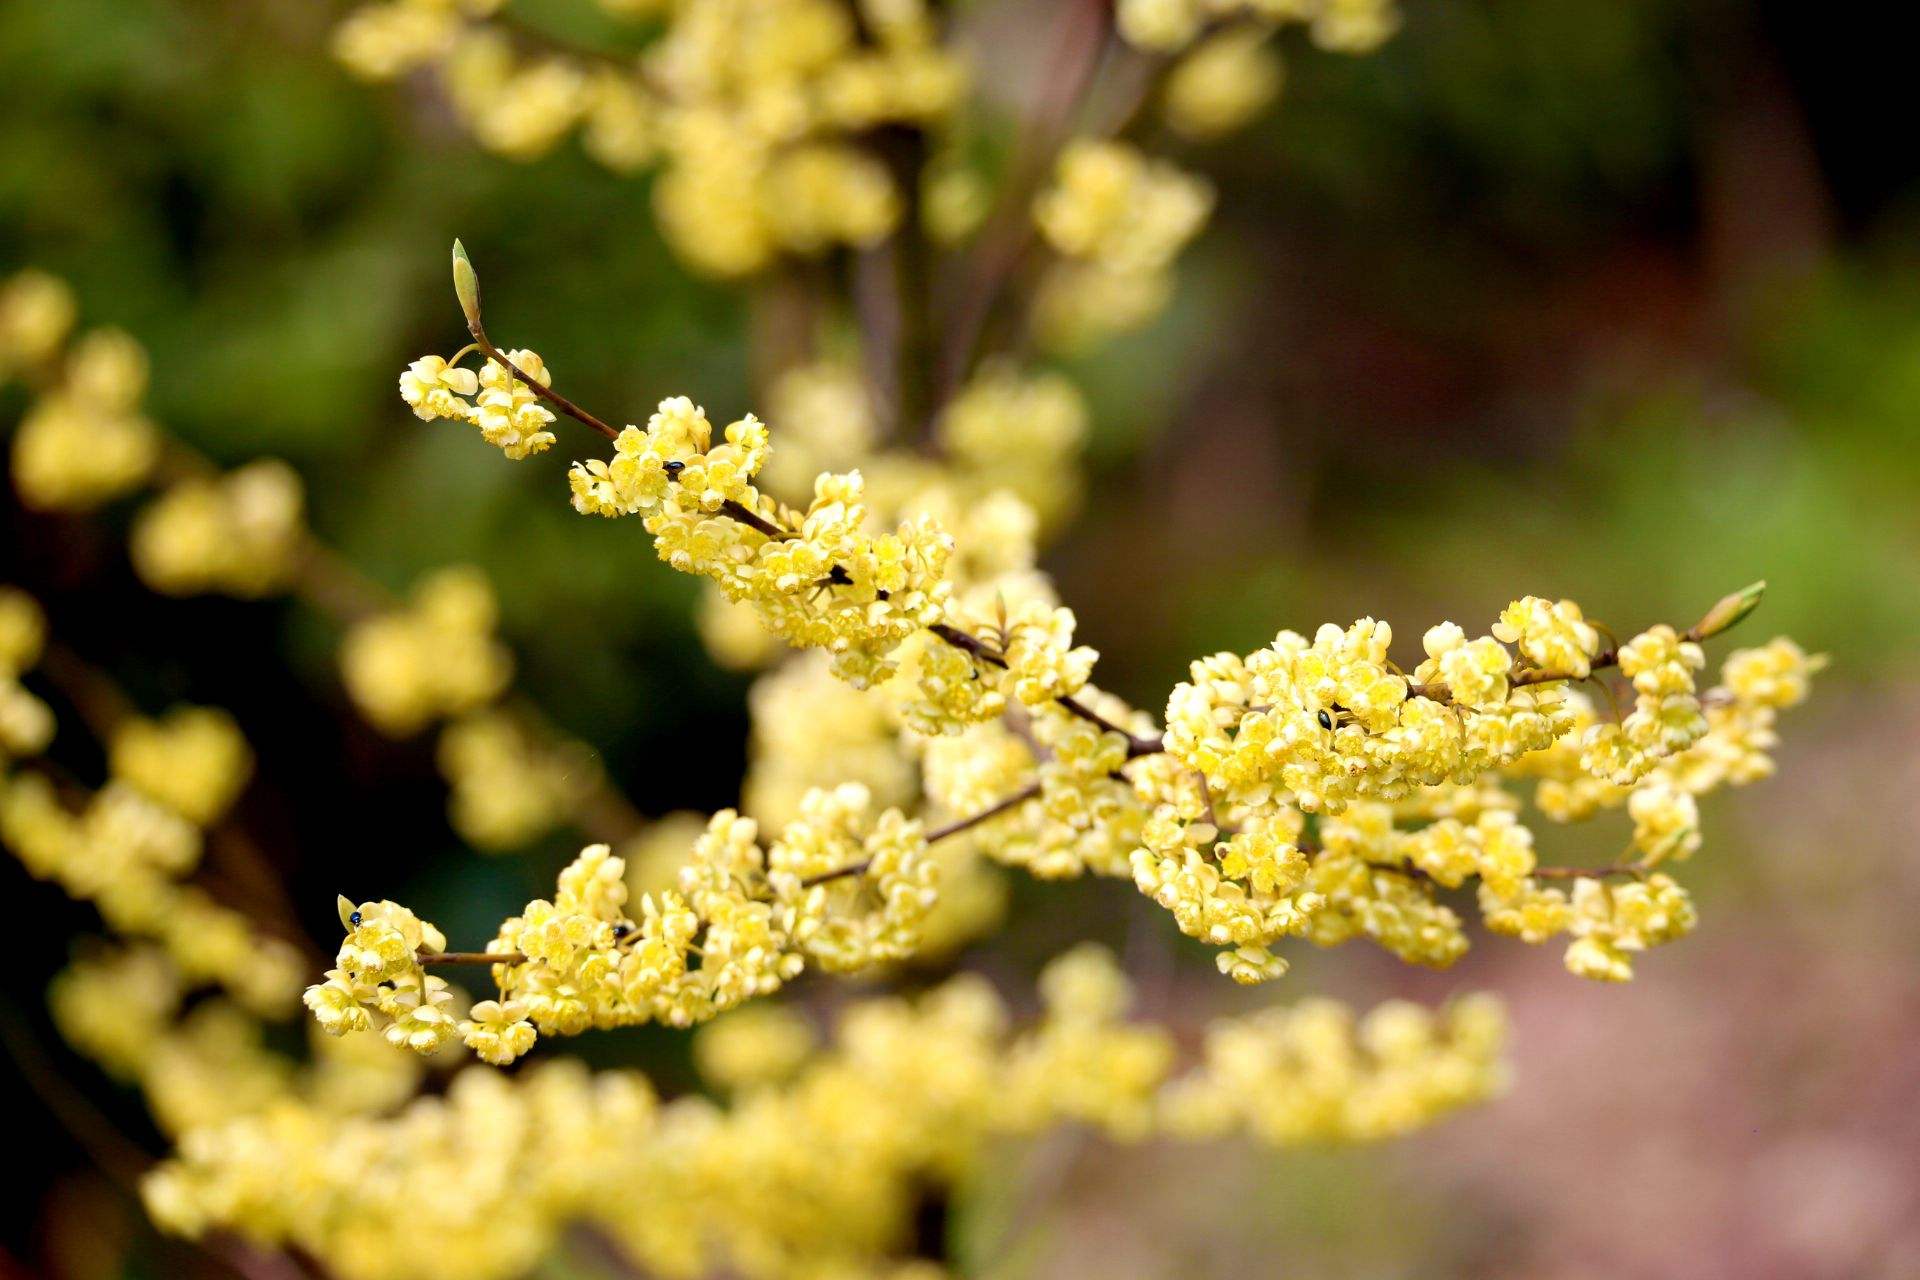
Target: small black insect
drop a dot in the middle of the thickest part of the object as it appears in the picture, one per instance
(673, 468)
(1326, 721)
(354, 919)
(622, 930)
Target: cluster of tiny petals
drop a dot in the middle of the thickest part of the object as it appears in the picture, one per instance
(1666, 717)
(496, 399)
(377, 980)
(1611, 922)
(676, 455)
(852, 922)
(1552, 635)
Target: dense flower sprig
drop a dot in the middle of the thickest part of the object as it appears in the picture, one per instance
(1403, 773)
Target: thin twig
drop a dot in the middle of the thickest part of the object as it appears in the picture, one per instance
(954, 828)
(538, 388)
(471, 957)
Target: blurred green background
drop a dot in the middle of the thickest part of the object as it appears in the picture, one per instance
(1611, 301)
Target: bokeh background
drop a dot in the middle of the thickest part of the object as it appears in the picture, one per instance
(1613, 301)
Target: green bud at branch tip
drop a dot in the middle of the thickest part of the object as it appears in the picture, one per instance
(466, 286)
(1729, 611)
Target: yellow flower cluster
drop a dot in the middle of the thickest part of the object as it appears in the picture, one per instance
(813, 1167)
(818, 578)
(37, 311)
(83, 441)
(436, 657)
(1222, 82)
(755, 110)
(240, 534)
(496, 399)
(842, 887)
(1329, 721)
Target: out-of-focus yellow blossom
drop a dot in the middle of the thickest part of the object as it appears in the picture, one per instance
(1081, 304)
(1312, 1074)
(655, 855)
(826, 422)
(125, 854)
(72, 455)
(37, 311)
(1115, 206)
(1774, 675)
(508, 784)
(23, 631)
(436, 657)
(811, 1170)
(26, 723)
(1118, 219)
(1019, 433)
(1222, 83)
(732, 633)
(1344, 26)
(810, 730)
(194, 760)
(239, 534)
(759, 1045)
(114, 1006)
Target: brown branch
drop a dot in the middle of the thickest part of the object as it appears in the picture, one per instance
(471, 957)
(538, 388)
(754, 520)
(1136, 746)
(954, 828)
(1725, 613)
(1592, 873)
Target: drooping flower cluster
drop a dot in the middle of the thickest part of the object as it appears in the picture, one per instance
(497, 399)
(810, 1170)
